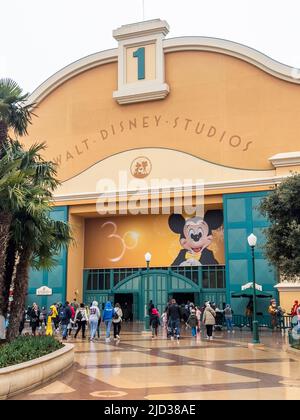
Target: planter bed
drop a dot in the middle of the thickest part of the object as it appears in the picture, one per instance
(23, 376)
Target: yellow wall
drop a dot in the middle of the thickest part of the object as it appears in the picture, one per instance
(287, 299)
(248, 115)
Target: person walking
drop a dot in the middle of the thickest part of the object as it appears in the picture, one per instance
(50, 317)
(80, 319)
(116, 320)
(164, 320)
(55, 317)
(98, 326)
(107, 318)
(93, 319)
(154, 322)
(209, 316)
(228, 312)
(34, 315)
(173, 314)
(193, 322)
(198, 316)
(65, 316)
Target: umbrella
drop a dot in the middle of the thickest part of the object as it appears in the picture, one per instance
(249, 292)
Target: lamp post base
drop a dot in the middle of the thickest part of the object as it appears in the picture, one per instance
(255, 332)
(256, 345)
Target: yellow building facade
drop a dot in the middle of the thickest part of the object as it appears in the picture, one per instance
(137, 129)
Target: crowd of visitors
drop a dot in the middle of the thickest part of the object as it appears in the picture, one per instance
(70, 319)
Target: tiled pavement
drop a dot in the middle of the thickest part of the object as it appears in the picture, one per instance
(141, 368)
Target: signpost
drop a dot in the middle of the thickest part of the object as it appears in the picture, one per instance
(44, 291)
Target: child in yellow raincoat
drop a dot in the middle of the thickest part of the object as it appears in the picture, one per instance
(52, 314)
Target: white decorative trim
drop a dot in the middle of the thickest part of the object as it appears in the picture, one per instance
(285, 159)
(288, 286)
(220, 46)
(258, 182)
(141, 29)
(133, 94)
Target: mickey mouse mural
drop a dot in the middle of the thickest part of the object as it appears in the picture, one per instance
(195, 236)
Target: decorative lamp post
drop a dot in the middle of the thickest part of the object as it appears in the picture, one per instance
(147, 318)
(252, 239)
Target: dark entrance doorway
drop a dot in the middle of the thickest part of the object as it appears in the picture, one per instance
(126, 302)
(183, 297)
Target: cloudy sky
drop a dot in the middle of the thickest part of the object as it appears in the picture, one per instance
(39, 37)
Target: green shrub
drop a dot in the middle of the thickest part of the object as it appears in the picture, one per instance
(27, 348)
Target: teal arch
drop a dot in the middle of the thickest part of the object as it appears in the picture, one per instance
(156, 285)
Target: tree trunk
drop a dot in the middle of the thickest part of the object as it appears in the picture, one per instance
(5, 222)
(20, 291)
(3, 135)
(11, 255)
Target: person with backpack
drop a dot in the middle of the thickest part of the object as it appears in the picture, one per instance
(116, 320)
(193, 322)
(93, 319)
(80, 319)
(154, 322)
(107, 318)
(228, 312)
(65, 315)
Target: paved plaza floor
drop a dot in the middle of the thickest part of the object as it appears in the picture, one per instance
(139, 367)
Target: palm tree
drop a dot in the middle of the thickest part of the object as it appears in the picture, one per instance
(40, 181)
(12, 188)
(26, 223)
(15, 112)
(15, 115)
(39, 240)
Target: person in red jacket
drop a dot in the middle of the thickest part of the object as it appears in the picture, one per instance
(71, 322)
(294, 308)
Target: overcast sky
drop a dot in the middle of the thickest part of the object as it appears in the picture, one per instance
(39, 37)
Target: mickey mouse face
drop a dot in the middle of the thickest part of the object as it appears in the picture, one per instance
(195, 234)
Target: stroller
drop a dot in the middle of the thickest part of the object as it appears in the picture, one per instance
(219, 320)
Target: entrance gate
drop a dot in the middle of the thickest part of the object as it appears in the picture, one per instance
(158, 285)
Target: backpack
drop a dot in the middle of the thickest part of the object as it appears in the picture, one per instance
(79, 316)
(63, 314)
(50, 313)
(115, 316)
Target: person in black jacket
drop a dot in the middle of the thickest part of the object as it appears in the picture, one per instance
(34, 316)
(174, 319)
(65, 315)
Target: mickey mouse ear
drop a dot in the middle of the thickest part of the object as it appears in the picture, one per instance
(176, 223)
(214, 218)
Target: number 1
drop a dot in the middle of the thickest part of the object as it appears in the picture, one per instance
(140, 55)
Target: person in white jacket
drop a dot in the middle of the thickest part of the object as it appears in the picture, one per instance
(94, 317)
(116, 320)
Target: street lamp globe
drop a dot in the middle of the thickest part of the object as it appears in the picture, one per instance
(252, 239)
(148, 257)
